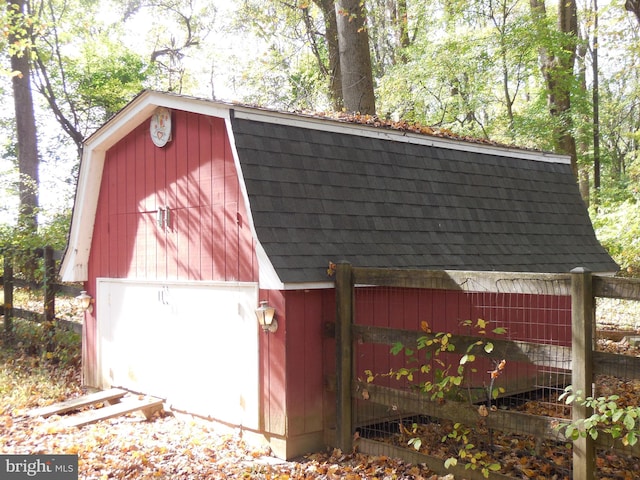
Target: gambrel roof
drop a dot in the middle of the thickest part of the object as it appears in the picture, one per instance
(319, 195)
(321, 190)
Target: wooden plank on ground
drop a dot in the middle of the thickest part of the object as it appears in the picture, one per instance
(148, 405)
(110, 396)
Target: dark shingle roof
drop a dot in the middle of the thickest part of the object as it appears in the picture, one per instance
(318, 196)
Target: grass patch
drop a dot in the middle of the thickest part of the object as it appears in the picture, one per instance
(31, 377)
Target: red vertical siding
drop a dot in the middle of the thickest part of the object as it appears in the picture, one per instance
(195, 177)
(295, 362)
(304, 361)
(273, 362)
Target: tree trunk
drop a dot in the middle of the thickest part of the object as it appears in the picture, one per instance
(28, 159)
(328, 9)
(355, 57)
(401, 27)
(634, 7)
(557, 70)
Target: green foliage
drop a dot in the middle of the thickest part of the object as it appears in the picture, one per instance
(55, 231)
(448, 378)
(447, 382)
(18, 29)
(87, 70)
(621, 422)
(474, 74)
(291, 70)
(618, 228)
(108, 80)
(474, 460)
(21, 244)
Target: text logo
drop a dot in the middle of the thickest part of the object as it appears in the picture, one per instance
(49, 467)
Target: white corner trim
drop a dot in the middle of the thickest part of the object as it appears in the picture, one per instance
(74, 265)
(268, 278)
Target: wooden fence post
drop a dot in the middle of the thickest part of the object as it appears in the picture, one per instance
(344, 357)
(8, 297)
(49, 296)
(582, 323)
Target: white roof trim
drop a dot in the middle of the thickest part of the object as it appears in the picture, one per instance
(309, 286)
(332, 125)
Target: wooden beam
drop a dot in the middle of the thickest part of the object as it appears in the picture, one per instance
(7, 281)
(498, 282)
(344, 356)
(617, 365)
(613, 287)
(552, 356)
(415, 403)
(582, 326)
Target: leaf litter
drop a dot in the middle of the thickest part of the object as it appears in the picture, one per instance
(166, 447)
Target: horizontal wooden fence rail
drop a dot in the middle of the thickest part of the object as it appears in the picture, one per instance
(48, 286)
(580, 360)
(554, 356)
(612, 287)
(495, 282)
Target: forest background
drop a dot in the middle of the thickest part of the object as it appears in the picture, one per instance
(561, 75)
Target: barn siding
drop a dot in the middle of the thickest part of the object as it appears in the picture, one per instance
(305, 315)
(195, 176)
(273, 360)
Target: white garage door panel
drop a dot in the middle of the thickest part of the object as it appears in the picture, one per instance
(194, 344)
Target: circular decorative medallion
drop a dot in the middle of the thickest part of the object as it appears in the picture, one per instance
(161, 127)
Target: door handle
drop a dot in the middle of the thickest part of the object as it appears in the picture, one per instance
(167, 218)
(159, 218)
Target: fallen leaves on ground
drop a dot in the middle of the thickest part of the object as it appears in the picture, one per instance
(173, 448)
(167, 447)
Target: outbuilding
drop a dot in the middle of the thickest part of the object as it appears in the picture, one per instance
(190, 212)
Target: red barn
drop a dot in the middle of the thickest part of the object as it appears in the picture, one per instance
(189, 212)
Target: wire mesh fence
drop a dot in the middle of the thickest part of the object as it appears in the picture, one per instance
(477, 375)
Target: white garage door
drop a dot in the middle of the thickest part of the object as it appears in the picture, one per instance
(194, 344)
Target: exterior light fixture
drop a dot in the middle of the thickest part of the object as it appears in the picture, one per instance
(85, 301)
(266, 317)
